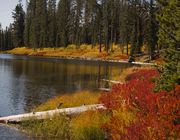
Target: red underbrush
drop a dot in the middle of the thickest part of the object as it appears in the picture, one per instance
(139, 113)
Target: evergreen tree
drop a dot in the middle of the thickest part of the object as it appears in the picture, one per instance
(10, 44)
(6, 38)
(99, 24)
(28, 23)
(33, 29)
(52, 27)
(169, 38)
(152, 38)
(41, 21)
(87, 22)
(137, 38)
(1, 37)
(106, 23)
(125, 25)
(18, 25)
(62, 22)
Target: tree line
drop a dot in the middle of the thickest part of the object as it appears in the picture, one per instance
(104, 22)
(6, 41)
(13, 36)
(48, 23)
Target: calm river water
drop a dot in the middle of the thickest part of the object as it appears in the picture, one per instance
(26, 82)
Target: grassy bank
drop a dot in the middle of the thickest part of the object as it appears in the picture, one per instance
(85, 126)
(133, 111)
(84, 51)
(73, 100)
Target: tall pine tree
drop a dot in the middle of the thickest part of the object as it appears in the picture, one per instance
(18, 25)
(169, 39)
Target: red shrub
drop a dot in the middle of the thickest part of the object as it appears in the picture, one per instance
(143, 74)
(155, 112)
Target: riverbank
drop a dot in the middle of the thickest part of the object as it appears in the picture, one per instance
(87, 125)
(80, 126)
(84, 52)
(119, 117)
(133, 110)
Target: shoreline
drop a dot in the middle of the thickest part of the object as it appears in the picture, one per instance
(19, 127)
(90, 59)
(84, 52)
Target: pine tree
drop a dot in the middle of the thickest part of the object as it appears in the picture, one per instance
(152, 37)
(99, 24)
(41, 16)
(62, 22)
(125, 25)
(36, 22)
(134, 41)
(0, 37)
(169, 39)
(52, 27)
(28, 22)
(33, 29)
(18, 25)
(78, 23)
(10, 37)
(87, 22)
(106, 23)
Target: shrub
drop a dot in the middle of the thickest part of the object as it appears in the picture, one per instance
(143, 74)
(148, 115)
(156, 117)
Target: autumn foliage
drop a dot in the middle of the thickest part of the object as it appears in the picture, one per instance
(139, 113)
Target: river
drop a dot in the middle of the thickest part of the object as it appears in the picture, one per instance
(26, 82)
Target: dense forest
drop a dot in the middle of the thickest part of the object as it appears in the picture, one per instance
(104, 22)
(47, 23)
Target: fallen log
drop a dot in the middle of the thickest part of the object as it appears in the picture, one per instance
(105, 89)
(49, 114)
(112, 81)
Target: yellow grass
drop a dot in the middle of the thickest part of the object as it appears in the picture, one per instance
(88, 125)
(83, 126)
(76, 99)
(73, 51)
(83, 51)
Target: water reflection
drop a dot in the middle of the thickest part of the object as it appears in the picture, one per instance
(26, 82)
